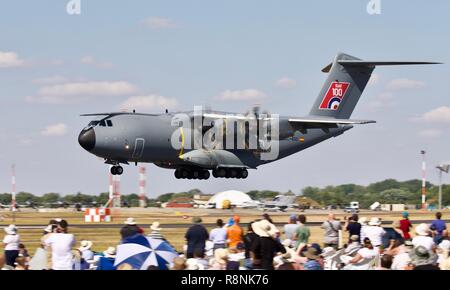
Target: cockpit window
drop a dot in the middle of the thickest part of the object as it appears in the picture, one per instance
(102, 123)
(93, 123)
(109, 123)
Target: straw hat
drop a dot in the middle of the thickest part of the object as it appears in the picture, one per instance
(155, 226)
(362, 221)
(354, 238)
(193, 264)
(130, 221)
(11, 230)
(421, 256)
(264, 228)
(48, 229)
(221, 255)
(422, 230)
(110, 252)
(374, 221)
(444, 245)
(85, 245)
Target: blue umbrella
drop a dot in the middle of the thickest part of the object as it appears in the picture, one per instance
(140, 252)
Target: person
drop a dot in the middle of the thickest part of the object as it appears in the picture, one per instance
(3, 265)
(353, 247)
(266, 246)
(130, 228)
(443, 251)
(331, 227)
(439, 228)
(85, 250)
(423, 259)
(290, 230)
(219, 262)
(352, 226)
(423, 237)
(235, 233)
(302, 234)
(11, 243)
(237, 255)
(364, 258)
(312, 255)
(106, 262)
(363, 222)
(23, 251)
(375, 232)
(405, 225)
(179, 263)
(385, 262)
(249, 239)
(21, 264)
(199, 256)
(401, 255)
(61, 244)
(266, 216)
(155, 231)
(219, 235)
(196, 236)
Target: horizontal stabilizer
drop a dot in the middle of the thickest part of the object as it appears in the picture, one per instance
(324, 123)
(346, 62)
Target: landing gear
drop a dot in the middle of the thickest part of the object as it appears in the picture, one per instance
(230, 173)
(184, 173)
(116, 170)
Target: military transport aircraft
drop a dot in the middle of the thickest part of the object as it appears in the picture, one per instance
(123, 137)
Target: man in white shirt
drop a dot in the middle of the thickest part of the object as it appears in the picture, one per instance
(375, 232)
(11, 243)
(423, 237)
(61, 244)
(219, 236)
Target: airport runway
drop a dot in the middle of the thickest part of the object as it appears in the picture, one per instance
(186, 225)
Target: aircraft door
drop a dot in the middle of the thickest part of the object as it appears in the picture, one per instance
(138, 148)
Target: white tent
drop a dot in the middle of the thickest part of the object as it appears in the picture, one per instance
(236, 198)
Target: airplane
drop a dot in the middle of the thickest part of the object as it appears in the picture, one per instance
(280, 203)
(124, 137)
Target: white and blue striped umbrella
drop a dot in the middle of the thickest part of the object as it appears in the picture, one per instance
(140, 252)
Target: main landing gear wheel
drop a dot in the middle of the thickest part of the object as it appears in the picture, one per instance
(183, 173)
(230, 173)
(116, 170)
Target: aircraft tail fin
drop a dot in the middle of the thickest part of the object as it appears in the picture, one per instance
(347, 79)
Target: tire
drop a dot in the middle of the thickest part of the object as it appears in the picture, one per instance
(177, 174)
(195, 174)
(244, 173)
(184, 173)
(221, 173)
(113, 170)
(205, 175)
(119, 170)
(214, 173)
(233, 173)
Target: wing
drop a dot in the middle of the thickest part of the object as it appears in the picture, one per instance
(324, 123)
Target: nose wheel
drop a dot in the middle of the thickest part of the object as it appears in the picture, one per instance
(116, 170)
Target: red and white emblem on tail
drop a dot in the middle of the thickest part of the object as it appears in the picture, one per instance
(334, 96)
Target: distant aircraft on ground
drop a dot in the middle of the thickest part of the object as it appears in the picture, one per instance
(280, 203)
(120, 138)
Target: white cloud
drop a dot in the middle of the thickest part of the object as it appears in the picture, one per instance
(430, 133)
(438, 115)
(400, 84)
(382, 100)
(148, 102)
(59, 129)
(79, 91)
(241, 95)
(159, 23)
(286, 83)
(374, 79)
(89, 60)
(10, 59)
(49, 80)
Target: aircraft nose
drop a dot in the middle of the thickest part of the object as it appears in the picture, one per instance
(87, 139)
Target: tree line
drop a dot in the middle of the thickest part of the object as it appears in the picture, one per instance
(386, 191)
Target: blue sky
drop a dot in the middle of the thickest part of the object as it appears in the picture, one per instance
(153, 54)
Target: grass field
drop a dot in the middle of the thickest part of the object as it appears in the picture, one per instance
(103, 237)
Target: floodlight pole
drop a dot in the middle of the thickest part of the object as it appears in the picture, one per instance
(441, 168)
(424, 190)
